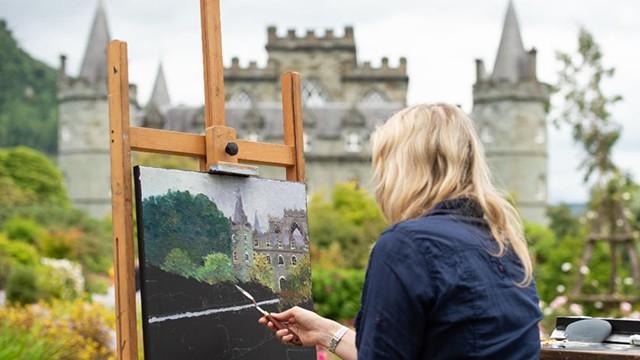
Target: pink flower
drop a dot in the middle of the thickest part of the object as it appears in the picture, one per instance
(625, 307)
(558, 302)
(576, 309)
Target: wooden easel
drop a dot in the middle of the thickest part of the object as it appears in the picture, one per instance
(211, 149)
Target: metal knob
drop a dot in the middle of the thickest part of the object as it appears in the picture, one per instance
(231, 148)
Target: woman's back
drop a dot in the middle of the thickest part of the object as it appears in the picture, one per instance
(434, 291)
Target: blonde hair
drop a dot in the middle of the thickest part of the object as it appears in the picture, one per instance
(426, 154)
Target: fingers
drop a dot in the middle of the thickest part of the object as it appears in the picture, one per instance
(290, 313)
(284, 336)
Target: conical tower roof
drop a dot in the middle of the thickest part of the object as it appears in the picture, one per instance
(239, 216)
(160, 93)
(511, 60)
(94, 64)
(256, 223)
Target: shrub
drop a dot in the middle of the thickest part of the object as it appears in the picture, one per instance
(336, 293)
(22, 287)
(23, 229)
(57, 331)
(20, 252)
(60, 244)
(179, 262)
(216, 268)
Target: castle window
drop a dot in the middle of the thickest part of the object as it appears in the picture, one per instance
(246, 257)
(541, 135)
(313, 95)
(253, 136)
(306, 142)
(353, 143)
(269, 259)
(240, 99)
(280, 260)
(235, 256)
(281, 282)
(255, 242)
(486, 136)
(541, 192)
(373, 97)
(294, 260)
(268, 243)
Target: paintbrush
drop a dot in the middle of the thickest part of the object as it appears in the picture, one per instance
(296, 339)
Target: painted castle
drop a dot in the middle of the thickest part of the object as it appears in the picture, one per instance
(344, 99)
(283, 243)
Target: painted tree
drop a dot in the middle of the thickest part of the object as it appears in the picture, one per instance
(262, 272)
(178, 262)
(216, 268)
(586, 108)
(184, 221)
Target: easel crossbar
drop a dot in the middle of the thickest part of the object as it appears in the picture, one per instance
(194, 145)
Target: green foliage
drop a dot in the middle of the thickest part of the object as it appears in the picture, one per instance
(181, 220)
(20, 252)
(297, 288)
(34, 174)
(262, 272)
(22, 287)
(562, 222)
(351, 219)
(22, 229)
(28, 104)
(216, 268)
(179, 262)
(586, 108)
(336, 293)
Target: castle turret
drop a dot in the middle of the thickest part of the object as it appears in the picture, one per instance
(509, 107)
(83, 141)
(159, 103)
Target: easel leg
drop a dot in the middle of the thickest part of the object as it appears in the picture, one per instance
(123, 253)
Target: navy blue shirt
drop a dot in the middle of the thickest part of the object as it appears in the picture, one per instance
(434, 291)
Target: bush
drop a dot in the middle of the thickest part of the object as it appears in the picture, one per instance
(57, 331)
(336, 293)
(216, 268)
(22, 287)
(179, 262)
(20, 252)
(60, 244)
(23, 229)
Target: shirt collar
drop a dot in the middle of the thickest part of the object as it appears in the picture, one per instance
(461, 206)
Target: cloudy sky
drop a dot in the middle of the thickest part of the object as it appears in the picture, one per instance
(440, 38)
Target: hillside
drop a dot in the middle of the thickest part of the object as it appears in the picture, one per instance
(28, 109)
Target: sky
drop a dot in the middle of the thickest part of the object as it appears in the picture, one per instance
(439, 38)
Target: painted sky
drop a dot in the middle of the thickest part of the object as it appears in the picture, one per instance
(440, 38)
(259, 196)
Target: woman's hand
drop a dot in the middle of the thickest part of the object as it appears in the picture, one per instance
(311, 328)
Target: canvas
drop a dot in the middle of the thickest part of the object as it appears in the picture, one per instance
(199, 235)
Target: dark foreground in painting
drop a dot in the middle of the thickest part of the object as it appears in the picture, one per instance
(197, 335)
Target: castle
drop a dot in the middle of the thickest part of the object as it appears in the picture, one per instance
(283, 243)
(344, 99)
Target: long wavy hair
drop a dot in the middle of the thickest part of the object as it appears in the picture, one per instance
(429, 153)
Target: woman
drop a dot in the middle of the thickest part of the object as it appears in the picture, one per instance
(451, 278)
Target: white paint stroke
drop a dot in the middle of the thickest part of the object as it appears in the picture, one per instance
(189, 314)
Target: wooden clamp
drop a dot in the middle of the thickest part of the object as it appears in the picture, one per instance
(213, 149)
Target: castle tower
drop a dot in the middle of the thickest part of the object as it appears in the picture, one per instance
(241, 241)
(83, 130)
(509, 108)
(159, 102)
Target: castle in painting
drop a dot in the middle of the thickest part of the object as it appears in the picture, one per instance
(283, 243)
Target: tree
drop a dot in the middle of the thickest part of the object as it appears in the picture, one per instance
(216, 268)
(181, 220)
(179, 262)
(587, 110)
(262, 272)
(351, 219)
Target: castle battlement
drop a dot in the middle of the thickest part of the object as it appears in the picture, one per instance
(311, 40)
(365, 71)
(251, 72)
(529, 90)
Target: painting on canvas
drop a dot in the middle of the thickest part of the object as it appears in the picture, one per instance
(201, 234)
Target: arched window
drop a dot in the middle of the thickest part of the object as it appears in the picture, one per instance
(280, 260)
(296, 237)
(240, 99)
(541, 135)
(269, 259)
(353, 143)
(281, 282)
(268, 243)
(373, 97)
(541, 188)
(246, 257)
(233, 237)
(313, 95)
(306, 142)
(255, 242)
(235, 256)
(486, 135)
(294, 260)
